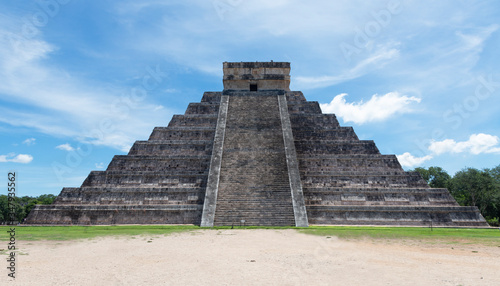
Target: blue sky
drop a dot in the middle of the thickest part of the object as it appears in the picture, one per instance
(80, 81)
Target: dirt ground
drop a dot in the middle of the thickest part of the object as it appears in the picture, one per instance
(253, 257)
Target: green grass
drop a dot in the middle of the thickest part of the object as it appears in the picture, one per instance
(446, 235)
(83, 232)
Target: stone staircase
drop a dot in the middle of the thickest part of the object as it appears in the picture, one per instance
(254, 184)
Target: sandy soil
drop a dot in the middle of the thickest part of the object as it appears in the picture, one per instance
(253, 257)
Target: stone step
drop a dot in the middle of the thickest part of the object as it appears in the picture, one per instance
(251, 205)
(344, 156)
(171, 147)
(254, 218)
(378, 172)
(132, 189)
(202, 108)
(196, 134)
(254, 183)
(263, 222)
(147, 179)
(257, 196)
(253, 215)
(295, 96)
(314, 121)
(375, 190)
(380, 196)
(308, 107)
(98, 196)
(115, 214)
(341, 133)
(256, 207)
(168, 164)
(335, 181)
(194, 120)
(330, 147)
(354, 161)
(395, 215)
(211, 97)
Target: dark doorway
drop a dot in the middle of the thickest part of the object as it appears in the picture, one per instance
(253, 87)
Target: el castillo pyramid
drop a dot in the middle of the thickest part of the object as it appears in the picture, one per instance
(255, 154)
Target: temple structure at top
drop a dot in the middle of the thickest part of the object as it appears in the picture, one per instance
(256, 76)
(255, 154)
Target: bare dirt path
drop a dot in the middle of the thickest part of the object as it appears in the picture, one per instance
(253, 257)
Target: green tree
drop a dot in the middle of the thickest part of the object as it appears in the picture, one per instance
(473, 187)
(493, 210)
(495, 174)
(3, 209)
(436, 177)
(22, 206)
(46, 199)
(31, 205)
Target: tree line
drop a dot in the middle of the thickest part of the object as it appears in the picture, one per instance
(469, 187)
(21, 206)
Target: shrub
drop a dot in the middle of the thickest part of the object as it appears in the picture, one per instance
(493, 221)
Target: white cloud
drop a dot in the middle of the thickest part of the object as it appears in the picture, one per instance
(477, 144)
(99, 166)
(378, 108)
(21, 158)
(65, 147)
(197, 37)
(375, 61)
(192, 35)
(408, 160)
(57, 103)
(29, 141)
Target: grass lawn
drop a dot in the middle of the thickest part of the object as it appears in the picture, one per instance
(447, 235)
(82, 232)
(489, 237)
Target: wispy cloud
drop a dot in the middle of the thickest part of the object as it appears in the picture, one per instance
(13, 158)
(378, 108)
(375, 61)
(65, 147)
(56, 103)
(477, 144)
(196, 37)
(472, 43)
(446, 57)
(29, 141)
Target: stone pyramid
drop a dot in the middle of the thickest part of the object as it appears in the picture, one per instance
(255, 154)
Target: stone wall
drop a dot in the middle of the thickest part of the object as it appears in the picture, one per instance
(264, 75)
